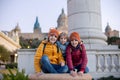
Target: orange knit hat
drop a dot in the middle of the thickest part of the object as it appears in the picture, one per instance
(53, 32)
(75, 36)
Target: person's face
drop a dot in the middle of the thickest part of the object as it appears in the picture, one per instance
(52, 39)
(63, 39)
(74, 43)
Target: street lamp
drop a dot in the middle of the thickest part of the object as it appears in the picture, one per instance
(28, 47)
(15, 59)
(16, 54)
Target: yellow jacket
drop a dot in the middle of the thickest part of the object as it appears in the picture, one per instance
(50, 50)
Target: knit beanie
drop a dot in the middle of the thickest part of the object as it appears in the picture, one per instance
(74, 36)
(53, 32)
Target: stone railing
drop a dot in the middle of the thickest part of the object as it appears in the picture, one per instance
(104, 63)
(101, 63)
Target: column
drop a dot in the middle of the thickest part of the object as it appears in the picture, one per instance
(84, 17)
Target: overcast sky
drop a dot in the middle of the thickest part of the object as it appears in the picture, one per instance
(24, 12)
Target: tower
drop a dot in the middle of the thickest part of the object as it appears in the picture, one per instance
(111, 33)
(14, 33)
(84, 17)
(37, 28)
(17, 28)
(62, 22)
(108, 30)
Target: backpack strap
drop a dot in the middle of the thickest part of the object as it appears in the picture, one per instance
(44, 47)
(79, 48)
(58, 49)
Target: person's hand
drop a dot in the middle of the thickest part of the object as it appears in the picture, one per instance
(80, 73)
(39, 73)
(73, 73)
(62, 63)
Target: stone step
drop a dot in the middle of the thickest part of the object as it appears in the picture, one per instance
(60, 77)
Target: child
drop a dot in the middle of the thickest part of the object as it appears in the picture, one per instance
(62, 43)
(48, 57)
(76, 56)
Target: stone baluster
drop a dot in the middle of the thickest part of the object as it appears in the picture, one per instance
(112, 63)
(98, 63)
(118, 62)
(105, 65)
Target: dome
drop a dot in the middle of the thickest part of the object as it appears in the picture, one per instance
(17, 28)
(62, 16)
(108, 28)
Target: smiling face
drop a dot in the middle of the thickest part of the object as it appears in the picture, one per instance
(63, 39)
(74, 43)
(52, 39)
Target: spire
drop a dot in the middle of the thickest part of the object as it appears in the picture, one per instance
(62, 11)
(36, 25)
(17, 28)
(62, 19)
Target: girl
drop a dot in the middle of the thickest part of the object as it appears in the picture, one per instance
(76, 56)
(48, 58)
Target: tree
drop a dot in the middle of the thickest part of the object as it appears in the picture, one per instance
(35, 43)
(112, 39)
(4, 54)
(29, 43)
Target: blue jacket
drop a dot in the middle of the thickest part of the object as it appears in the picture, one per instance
(62, 47)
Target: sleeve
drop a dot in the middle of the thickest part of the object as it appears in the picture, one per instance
(84, 58)
(69, 58)
(37, 58)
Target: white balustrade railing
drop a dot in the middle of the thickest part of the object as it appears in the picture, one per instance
(101, 63)
(109, 63)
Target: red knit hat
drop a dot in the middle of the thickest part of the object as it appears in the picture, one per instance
(75, 36)
(53, 32)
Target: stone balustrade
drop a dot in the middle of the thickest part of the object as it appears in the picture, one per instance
(101, 63)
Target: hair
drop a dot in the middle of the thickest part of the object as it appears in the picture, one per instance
(63, 34)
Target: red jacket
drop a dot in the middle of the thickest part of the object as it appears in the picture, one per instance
(75, 56)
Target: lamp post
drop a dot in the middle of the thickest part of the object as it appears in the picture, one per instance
(16, 55)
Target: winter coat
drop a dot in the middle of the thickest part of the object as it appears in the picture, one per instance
(50, 50)
(76, 56)
(62, 47)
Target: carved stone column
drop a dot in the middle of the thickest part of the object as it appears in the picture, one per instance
(112, 63)
(98, 65)
(105, 65)
(84, 17)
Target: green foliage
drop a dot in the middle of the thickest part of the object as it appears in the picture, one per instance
(18, 76)
(4, 54)
(29, 43)
(35, 43)
(11, 65)
(112, 39)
